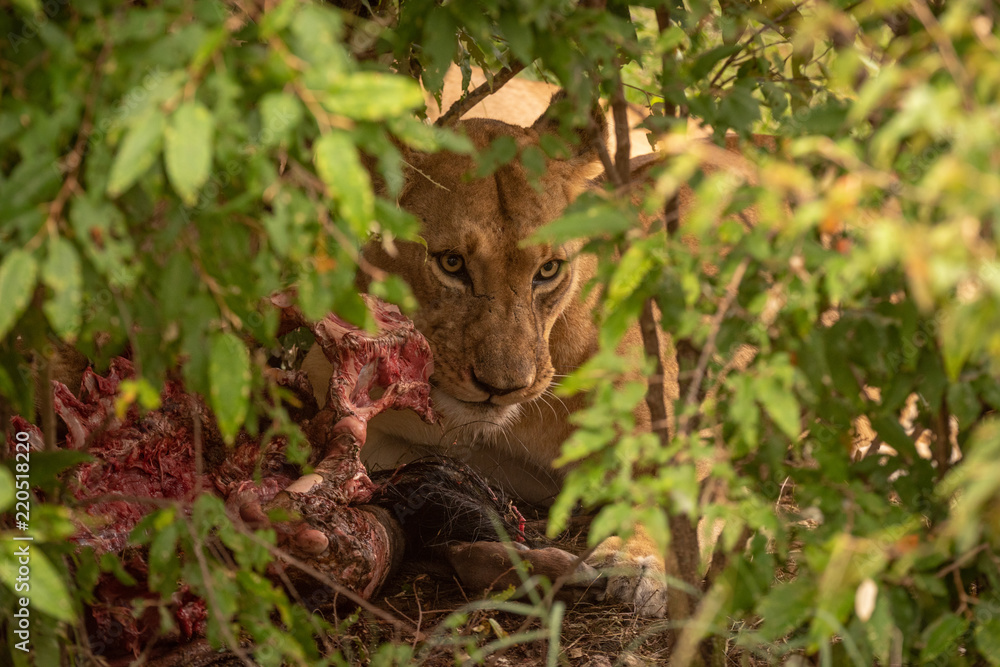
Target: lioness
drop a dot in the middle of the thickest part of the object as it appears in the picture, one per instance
(505, 320)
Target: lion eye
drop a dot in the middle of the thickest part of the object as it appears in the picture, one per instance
(451, 263)
(549, 270)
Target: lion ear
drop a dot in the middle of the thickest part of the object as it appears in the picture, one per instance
(587, 133)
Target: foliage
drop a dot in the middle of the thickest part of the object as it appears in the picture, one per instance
(165, 167)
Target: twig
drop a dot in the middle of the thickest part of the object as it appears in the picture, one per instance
(425, 175)
(602, 152)
(756, 33)
(732, 289)
(199, 464)
(671, 209)
(942, 437)
(224, 628)
(324, 119)
(649, 325)
(75, 158)
(945, 48)
(47, 401)
(682, 557)
(346, 244)
(623, 142)
(961, 561)
(471, 99)
(214, 288)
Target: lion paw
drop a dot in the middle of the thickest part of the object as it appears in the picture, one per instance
(636, 575)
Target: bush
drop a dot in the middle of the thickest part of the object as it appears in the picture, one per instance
(165, 167)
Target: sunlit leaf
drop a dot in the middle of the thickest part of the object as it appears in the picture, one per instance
(63, 273)
(137, 152)
(345, 178)
(17, 282)
(780, 404)
(373, 96)
(187, 149)
(229, 380)
(46, 590)
(942, 636)
(987, 637)
(6, 489)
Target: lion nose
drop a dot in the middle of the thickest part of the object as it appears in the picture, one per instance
(499, 386)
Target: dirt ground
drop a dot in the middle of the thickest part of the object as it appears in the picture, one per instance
(424, 597)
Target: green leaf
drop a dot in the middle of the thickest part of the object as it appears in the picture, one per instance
(594, 221)
(6, 489)
(373, 96)
(427, 138)
(138, 151)
(501, 151)
(519, 37)
(963, 403)
(111, 251)
(707, 61)
(164, 566)
(632, 268)
(780, 404)
(17, 282)
(47, 591)
(439, 44)
(187, 149)
(112, 563)
(943, 635)
(30, 7)
(346, 179)
(616, 519)
(739, 109)
(785, 608)
(987, 637)
(47, 467)
(63, 273)
(280, 113)
(229, 381)
(878, 629)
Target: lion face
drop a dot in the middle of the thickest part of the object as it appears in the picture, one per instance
(488, 299)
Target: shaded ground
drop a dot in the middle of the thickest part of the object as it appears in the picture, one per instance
(592, 633)
(440, 624)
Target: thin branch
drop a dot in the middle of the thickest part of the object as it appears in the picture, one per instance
(74, 161)
(216, 290)
(324, 119)
(682, 557)
(199, 463)
(756, 33)
(224, 628)
(962, 560)
(471, 99)
(945, 48)
(47, 399)
(732, 289)
(942, 437)
(671, 209)
(623, 147)
(602, 152)
(649, 325)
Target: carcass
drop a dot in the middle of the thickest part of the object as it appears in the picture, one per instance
(343, 525)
